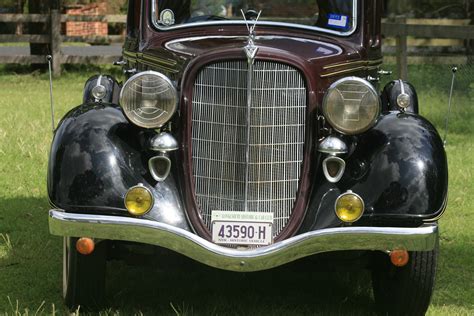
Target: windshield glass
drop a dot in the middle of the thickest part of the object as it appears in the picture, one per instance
(332, 16)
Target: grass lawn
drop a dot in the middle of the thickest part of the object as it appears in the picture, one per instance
(31, 259)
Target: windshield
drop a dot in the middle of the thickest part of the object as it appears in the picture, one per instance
(331, 16)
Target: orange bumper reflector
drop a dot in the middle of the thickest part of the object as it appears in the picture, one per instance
(85, 246)
(399, 258)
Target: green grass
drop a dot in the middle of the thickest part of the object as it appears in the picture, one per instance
(30, 258)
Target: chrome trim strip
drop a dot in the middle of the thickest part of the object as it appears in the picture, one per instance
(247, 121)
(354, 63)
(264, 23)
(149, 59)
(331, 74)
(441, 212)
(354, 66)
(251, 51)
(421, 238)
(402, 86)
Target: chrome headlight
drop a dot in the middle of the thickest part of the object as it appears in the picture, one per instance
(351, 105)
(149, 99)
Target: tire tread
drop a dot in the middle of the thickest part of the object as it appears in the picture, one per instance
(406, 290)
(85, 288)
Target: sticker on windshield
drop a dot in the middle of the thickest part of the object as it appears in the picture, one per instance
(338, 21)
(167, 17)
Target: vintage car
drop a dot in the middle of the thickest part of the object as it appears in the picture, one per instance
(247, 135)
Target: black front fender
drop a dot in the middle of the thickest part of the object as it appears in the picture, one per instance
(95, 157)
(399, 168)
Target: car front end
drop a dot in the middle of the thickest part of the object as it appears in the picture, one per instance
(247, 137)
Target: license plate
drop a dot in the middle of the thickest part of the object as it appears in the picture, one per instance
(242, 228)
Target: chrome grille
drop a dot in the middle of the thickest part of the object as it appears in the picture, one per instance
(219, 135)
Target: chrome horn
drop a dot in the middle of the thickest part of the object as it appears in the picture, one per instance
(333, 166)
(160, 166)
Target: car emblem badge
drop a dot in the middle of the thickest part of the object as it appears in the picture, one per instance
(251, 49)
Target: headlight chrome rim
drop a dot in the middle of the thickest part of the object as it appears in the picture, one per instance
(170, 114)
(370, 88)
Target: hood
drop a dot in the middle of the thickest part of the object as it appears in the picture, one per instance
(317, 56)
(310, 50)
(322, 59)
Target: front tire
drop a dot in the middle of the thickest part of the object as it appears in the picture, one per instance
(406, 290)
(83, 276)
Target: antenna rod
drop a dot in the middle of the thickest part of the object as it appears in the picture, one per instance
(454, 70)
(49, 58)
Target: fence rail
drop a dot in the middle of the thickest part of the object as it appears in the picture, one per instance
(55, 38)
(24, 18)
(12, 38)
(428, 31)
(403, 30)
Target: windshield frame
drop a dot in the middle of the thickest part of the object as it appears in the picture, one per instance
(355, 24)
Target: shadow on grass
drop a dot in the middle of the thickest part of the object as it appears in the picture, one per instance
(30, 270)
(31, 274)
(303, 288)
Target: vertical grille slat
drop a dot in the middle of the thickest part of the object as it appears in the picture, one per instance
(219, 134)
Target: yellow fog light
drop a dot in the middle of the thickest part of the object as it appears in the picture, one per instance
(349, 207)
(138, 200)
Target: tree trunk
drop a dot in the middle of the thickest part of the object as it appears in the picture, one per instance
(20, 4)
(470, 43)
(39, 7)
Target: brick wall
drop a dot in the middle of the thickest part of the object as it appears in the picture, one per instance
(87, 28)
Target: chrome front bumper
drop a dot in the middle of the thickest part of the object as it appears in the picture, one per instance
(422, 238)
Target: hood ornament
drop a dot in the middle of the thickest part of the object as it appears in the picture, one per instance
(251, 49)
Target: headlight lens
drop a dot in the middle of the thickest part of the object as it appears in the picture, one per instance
(149, 99)
(351, 105)
(138, 200)
(349, 207)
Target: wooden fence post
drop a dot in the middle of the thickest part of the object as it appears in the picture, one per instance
(402, 50)
(56, 41)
